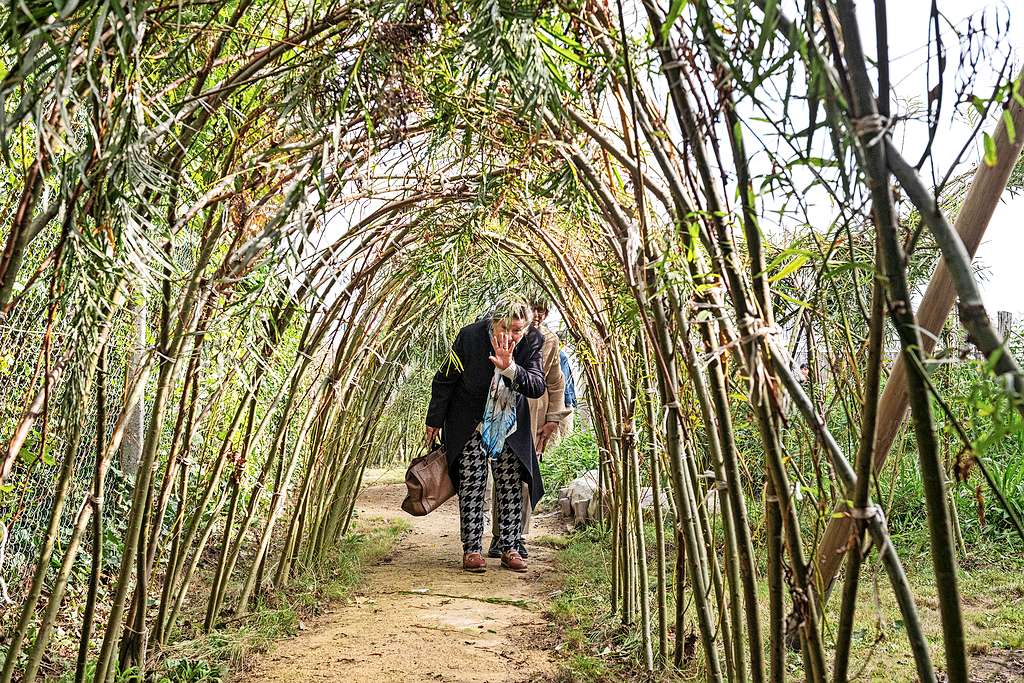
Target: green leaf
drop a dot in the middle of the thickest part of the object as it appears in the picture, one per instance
(794, 264)
(673, 13)
(1015, 90)
(794, 300)
(1011, 130)
(771, 8)
(818, 162)
(991, 157)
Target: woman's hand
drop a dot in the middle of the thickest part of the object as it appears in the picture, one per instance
(430, 436)
(503, 344)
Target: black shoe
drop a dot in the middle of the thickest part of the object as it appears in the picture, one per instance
(493, 550)
(521, 548)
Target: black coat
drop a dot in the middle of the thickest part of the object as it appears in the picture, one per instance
(458, 397)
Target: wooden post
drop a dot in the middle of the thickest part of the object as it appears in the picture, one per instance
(1004, 323)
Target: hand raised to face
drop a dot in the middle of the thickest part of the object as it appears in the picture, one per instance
(503, 343)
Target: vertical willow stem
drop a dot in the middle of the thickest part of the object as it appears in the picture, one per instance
(865, 458)
(641, 555)
(902, 313)
(654, 458)
(97, 525)
(679, 647)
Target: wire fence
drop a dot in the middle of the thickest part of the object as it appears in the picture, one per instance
(28, 494)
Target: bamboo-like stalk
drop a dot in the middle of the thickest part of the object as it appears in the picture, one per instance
(169, 604)
(737, 504)
(276, 508)
(876, 523)
(641, 557)
(875, 167)
(686, 509)
(295, 526)
(97, 526)
(653, 459)
(181, 437)
(60, 584)
(865, 459)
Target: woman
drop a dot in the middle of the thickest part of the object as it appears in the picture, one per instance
(479, 398)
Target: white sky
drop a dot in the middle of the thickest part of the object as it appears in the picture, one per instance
(1002, 278)
(999, 254)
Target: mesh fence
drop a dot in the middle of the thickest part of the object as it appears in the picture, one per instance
(28, 495)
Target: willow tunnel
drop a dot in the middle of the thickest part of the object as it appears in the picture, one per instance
(239, 238)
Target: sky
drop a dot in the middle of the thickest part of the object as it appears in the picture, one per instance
(1001, 273)
(1001, 276)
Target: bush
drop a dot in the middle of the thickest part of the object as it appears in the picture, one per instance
(574, 455)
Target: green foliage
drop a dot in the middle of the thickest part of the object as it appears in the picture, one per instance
(575, 454)
(980, 408)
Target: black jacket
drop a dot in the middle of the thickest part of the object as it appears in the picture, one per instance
(458, 396)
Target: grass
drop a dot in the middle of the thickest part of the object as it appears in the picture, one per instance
(378, 476)
(550, 541)
(595, 646)
(993, 614)
(573, 456)
(210, 657)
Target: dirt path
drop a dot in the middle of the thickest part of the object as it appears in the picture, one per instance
(419, 617)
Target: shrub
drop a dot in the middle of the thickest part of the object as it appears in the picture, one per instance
(574, 455)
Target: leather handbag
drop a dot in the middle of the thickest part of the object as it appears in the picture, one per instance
(428, 483)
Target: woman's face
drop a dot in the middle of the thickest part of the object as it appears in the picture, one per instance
(514, 328)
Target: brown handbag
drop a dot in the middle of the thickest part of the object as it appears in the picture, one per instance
(428, 483)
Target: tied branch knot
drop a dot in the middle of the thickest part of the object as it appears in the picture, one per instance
(870, 129)
(867, 513)
(757, 329)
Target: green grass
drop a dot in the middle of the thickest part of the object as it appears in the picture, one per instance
(211, 656)
(574, 455)
(993, 614)
(379, 476)
(596, 647)
(550, 541)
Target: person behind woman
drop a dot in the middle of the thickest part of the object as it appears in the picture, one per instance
(478, 402)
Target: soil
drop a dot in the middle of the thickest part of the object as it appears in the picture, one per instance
(418, 617)
(998, 665)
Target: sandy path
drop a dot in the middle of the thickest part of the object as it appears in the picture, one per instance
(419, 617)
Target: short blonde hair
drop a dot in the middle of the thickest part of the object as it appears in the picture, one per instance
(509, 308)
